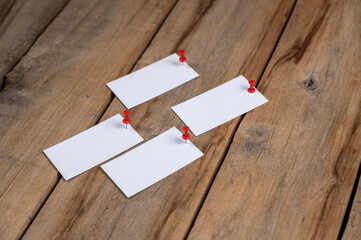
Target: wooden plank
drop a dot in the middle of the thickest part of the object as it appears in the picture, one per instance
(5, 7)
(292, 164)
(353, 227)
(222, 39)
(21, 22)
(58, 89)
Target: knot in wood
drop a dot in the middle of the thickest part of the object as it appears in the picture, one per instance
(310, 83)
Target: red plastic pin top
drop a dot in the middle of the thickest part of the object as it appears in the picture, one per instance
(186, 136)
(251, 89)
(126, 119)
(182, 58)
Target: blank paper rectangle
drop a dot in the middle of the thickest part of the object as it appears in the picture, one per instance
(149, 163)
(92, 147)
(219, 105)
(151, 81)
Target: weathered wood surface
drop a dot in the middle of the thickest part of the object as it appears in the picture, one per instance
(353, 227)
(222, 39)
(58, 89)
(288, 171)
(21, 22)
(292, 164)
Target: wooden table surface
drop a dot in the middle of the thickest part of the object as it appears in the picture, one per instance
(289, 169)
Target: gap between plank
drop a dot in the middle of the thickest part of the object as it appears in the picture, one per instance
(58, 177)
(278, 40)
(4, 79)
(94, 121)
(237, 125)
(52, 188)
(349, 205)
(2, 85)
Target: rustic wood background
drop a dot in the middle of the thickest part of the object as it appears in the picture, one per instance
(289, 169)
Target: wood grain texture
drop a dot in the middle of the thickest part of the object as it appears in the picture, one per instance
(21, 22)
(353, 227)
(5, 7)
(292, 164)
(222, 40)
(58, 89)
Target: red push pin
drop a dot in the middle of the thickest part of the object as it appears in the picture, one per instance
(251, 89)
(126, 119)
(186, 136)
(182, 58)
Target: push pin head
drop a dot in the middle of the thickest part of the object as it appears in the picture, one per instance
(126, 119)
(182, 58)
(186, 136)
(251, 89)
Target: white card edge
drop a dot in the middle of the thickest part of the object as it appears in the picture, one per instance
(132, 106)
(131, 195)
(127, 195)
(135, 105)
(67, 177)
(200, 133)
